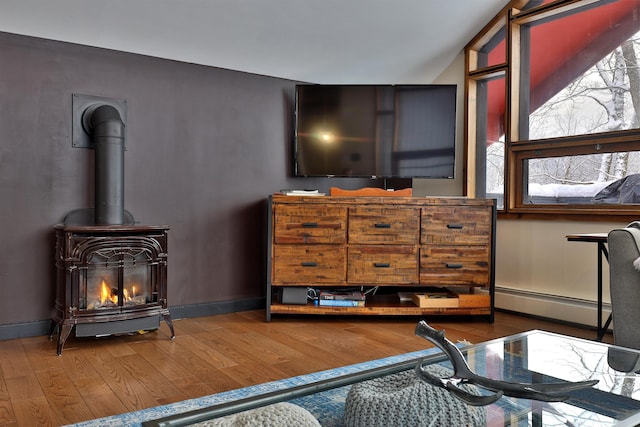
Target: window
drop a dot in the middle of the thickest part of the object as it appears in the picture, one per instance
(490, 119)
(555, 128)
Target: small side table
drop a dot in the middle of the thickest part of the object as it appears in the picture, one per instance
(601, 240)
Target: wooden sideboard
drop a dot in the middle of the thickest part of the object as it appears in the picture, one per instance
(382, 246)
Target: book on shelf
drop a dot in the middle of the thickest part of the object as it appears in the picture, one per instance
(302, 193)
(339, 303)
(342, 295)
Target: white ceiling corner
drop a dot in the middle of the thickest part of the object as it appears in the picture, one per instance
(318, 41)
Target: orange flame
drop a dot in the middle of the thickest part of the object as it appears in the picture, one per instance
(109, 297)
(106, 295)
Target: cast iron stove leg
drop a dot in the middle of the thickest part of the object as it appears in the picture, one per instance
(167, 318)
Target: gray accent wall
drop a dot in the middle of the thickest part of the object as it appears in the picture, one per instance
(205, 147)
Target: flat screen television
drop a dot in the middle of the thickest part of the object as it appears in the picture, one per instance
(375, 131)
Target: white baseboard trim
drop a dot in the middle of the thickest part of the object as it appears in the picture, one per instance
(557, 307)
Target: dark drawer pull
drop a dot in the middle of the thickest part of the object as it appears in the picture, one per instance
(451, 265)
(309, 225)
(382, 225)
(309, 264)
(382, 264)
(456, 226)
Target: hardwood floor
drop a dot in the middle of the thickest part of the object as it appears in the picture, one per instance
(100, 377)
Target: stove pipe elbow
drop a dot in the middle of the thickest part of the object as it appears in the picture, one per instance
(104, 124)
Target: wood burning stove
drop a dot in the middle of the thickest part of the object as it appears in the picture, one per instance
(110, 280)
(111, 272)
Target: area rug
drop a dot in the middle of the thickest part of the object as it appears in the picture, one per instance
(327, 407)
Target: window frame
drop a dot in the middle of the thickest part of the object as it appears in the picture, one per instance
(517, 150)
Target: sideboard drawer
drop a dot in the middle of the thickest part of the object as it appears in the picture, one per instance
(310, 224)
(379, 245)
(307, 264)
(456, 225)
(372, 264)
(454, 265)
(383, 225)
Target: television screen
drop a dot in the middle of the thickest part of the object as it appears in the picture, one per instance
(385, 131)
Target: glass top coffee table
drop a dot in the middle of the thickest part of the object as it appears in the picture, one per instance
(529, 357)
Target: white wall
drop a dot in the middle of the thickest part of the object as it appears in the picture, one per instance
(454, 74)
(538, 271)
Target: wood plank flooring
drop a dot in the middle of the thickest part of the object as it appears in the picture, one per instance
(100, 377)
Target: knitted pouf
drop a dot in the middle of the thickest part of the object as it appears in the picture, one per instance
(404, 400)
(277, 415)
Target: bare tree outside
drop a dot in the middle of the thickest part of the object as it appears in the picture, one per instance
(605, 98)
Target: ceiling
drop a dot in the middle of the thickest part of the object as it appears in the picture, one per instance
(318, 41)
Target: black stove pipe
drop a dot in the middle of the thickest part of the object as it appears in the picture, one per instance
(104, 124)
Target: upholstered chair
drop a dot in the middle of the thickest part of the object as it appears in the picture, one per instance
(624, 282)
